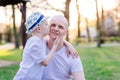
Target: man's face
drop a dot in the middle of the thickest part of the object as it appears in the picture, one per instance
(58, 27)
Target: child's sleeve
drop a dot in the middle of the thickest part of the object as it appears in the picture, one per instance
(37, 51)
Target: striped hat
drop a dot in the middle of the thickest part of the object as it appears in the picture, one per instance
(33, 21)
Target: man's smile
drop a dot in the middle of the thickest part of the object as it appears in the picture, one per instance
(54, 32)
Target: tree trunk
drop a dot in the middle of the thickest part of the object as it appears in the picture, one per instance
(119, 29)
(8, 29)
(14, 29)
(78, 11)
(87, 29)
(102, 32)
(23, 28)
(103, 27)
(98, 27)
(118, 17)
(66, 14)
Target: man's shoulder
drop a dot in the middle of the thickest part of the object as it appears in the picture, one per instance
(74, 59)
(63, 53)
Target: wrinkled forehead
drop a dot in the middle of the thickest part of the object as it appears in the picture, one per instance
(59, 19)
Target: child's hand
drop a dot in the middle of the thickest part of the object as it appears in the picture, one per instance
(58, 40)
(70, 50)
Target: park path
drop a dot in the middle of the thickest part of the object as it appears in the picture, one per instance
(4, 63)
(7, 46)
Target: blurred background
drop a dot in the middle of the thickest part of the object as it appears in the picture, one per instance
(89, 20)
(94, 30)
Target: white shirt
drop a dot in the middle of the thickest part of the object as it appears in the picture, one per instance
(33, 53)
(61, 66)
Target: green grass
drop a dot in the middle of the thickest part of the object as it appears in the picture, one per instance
(12, 55)
(7, 73)
(101, 63)
(98, 63)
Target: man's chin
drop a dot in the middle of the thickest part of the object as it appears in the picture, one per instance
(53, 37)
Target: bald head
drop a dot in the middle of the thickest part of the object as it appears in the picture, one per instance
(61, 19)
(58, 26)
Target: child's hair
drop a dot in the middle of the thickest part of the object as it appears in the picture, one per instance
(33, 21)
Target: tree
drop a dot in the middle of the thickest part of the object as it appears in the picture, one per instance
(78, 11)
(22, 7)
(66, 14)
(14, 29)
(117, 15)
(98, 26)
(102, 27)
(119, 29)
(87, 29)
(8, 29)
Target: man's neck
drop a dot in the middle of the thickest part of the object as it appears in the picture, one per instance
(50, 44)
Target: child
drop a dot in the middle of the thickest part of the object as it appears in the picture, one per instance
(34, 54)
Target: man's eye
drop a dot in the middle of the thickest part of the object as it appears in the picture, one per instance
(53, 25)
(61, 27)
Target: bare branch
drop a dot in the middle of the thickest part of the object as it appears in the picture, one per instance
(53, 7)
(44, 4)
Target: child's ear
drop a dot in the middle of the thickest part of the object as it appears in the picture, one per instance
(38, 29)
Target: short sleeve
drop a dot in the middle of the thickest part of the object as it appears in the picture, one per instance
(76, 65)
(37, 51)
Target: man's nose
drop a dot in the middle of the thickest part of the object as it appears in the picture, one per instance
(56, 27)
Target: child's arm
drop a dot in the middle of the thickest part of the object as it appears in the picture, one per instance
(70, 49)
(49, 56)
(52, 51)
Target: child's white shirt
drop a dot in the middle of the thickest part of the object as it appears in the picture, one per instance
(33, 54)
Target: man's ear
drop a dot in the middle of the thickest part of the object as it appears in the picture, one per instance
(67, 32)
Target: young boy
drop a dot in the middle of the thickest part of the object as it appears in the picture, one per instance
(34, 54)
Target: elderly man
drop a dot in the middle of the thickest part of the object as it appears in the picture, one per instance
(61, 67)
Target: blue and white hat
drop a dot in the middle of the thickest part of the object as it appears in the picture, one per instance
(33, 21)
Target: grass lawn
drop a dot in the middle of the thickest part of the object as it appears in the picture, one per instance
(7, 73)
(12, 55)
(99, 63)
